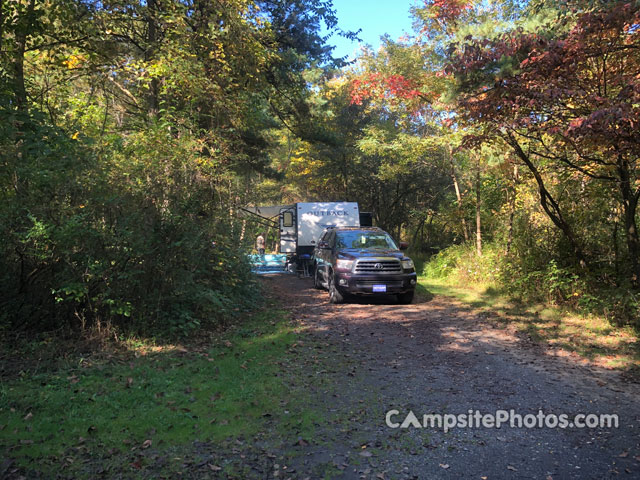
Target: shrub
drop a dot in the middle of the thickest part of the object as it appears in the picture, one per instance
(460, 263)
(122, 240)
(531, 281)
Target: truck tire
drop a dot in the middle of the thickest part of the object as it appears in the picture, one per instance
(406, 297)
(335, 296)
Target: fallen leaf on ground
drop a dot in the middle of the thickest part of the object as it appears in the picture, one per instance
(147, 443)
(444, 465)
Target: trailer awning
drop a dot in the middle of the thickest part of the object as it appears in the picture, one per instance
(264, 211)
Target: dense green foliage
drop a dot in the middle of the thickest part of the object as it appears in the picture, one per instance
(534, 107)
(128, 131)
(503, 132)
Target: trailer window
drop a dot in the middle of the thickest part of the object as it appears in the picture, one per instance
(287, 219)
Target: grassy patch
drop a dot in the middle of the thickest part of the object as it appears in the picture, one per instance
(590, 336)
(160, 398)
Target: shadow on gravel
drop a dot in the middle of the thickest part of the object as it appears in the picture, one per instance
(422, 294)
(383, 300)
(364, 359)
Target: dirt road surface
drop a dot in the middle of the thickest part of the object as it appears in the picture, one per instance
(436, 356)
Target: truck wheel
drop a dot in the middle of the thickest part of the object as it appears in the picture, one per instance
(335, 296)
(406, 297)
(317, 283)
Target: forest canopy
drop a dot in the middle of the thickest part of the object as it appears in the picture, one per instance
(500, 139)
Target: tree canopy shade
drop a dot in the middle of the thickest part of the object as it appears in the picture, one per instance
(569, 97)
(130, 132)
(531, 108)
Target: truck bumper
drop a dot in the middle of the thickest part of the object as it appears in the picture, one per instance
(375, 284)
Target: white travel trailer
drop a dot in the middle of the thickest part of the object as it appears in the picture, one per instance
(300, 226)
(302, 223)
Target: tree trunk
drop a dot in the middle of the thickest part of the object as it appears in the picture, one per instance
(3, 58)
(549, 204)
(630, 206)
(616, 253)
(418, 230)
(345, 176)
(22, 32)
(243, 230)
(152, 38)
(512, 209)
(454, 178)
(478, 208)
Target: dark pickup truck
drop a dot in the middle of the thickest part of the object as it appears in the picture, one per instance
(362, 261)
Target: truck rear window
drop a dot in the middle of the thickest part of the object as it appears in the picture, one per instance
(367, 240)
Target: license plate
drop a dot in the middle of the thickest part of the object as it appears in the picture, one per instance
(379, 288)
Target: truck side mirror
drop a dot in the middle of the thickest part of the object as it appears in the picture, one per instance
(404, 245)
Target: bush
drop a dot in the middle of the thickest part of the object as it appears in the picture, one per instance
(530, 281)
(121, 241)
(550, 284)
(460, 263)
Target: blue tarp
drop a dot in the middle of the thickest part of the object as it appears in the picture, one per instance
(268, 263)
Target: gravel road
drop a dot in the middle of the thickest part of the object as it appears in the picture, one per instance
(436, 356)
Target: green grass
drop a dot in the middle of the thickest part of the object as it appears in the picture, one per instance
(591, 337)
(159, 399)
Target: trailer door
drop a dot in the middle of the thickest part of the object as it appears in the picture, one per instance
(288, 230)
